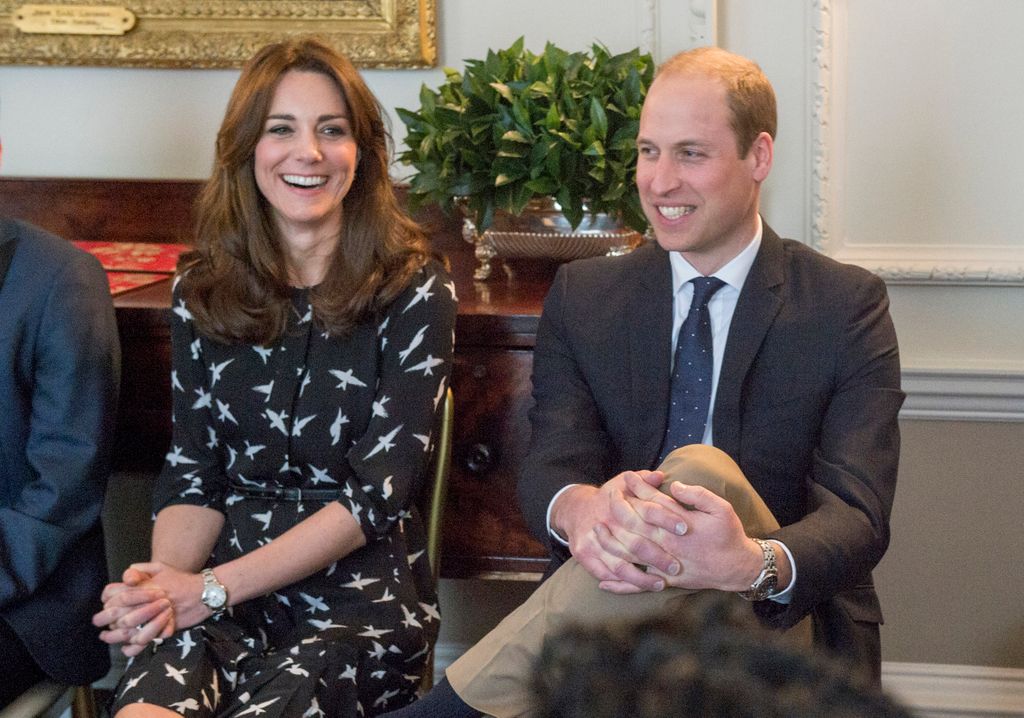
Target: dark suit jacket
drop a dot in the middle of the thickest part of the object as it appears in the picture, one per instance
(807, 405)
(59, 371)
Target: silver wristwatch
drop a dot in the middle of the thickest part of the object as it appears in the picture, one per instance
(215, 595)
(764, 585)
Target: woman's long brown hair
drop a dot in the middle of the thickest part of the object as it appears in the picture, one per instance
(235, 282)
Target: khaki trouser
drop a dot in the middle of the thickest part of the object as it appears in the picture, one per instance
(494, 675)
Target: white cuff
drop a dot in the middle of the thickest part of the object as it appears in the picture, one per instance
(547, 518)
(786, 595)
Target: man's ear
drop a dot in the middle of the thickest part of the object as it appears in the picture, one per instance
(762, 150)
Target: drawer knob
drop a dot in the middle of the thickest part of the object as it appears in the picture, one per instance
(479, 458)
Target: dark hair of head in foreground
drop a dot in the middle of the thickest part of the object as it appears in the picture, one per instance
(236, 284)
(709, 658)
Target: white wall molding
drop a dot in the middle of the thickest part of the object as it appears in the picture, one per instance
(896, 262)
(947, 691)
(963, 394)
(665, 28)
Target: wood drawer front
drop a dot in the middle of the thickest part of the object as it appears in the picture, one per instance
(484, 530)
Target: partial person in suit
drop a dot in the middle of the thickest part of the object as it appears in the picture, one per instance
(59, 377)
(804, 393)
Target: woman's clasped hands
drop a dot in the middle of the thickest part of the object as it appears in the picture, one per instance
(151, 601)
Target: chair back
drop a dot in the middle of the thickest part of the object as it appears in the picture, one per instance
(431, 504)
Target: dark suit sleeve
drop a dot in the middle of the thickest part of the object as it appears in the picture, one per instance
(568, 444)
(74, 392)
(852, 478)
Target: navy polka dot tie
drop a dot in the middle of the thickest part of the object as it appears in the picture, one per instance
(690, 388)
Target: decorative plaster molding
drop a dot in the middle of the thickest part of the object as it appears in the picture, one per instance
(703, 22)
(945, 691)
(647, 23)
(896, 263)
(975, 394)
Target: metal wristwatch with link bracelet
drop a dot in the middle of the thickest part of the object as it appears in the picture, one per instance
(764, 585)
(215, 595)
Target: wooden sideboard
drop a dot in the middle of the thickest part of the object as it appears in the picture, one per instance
(484, 534)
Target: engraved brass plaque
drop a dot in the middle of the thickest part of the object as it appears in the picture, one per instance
(74, 19)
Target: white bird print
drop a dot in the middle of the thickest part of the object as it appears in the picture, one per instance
(258, 708)
(314, 709)
(450, 286)
(345, 378)
(423, 293)
(132, 682)
(305, 382)
(424, 439)
(252, 449)
(339, 421)
(186, 644)
(349, 674)
(323, 625)
(359, 582)
(216, 370)
(283, 599)
(265, 389)
(287, 467)
(416, 341)
(174, 673)
(384, 443)
(215, 688)
(175, 382)
(308, 316)
(212, 441)
(182, 312)
(378, 651)
(371, 632)
(232, 455)
(264, 519)
(189, 704)
(205, 400)
(383, 325)
(234, 540)
(277, 420)
(206, 698)
(387, 489)
(224, 412)
(383, 698)
(296, 669)
(175, 457)
(430, 612)
(356, 510)
(411, 558)
(439, 394)
(299, 424)
(427, 365)
(316, 603)
(410, 619)
(320, 476)
(264, 353)
(385, 597)
(378, 674)
(378, 407)
(196, 348)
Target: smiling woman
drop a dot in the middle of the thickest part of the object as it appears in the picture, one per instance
(288, 550)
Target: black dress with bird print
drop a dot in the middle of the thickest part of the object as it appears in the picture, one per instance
(353, 414)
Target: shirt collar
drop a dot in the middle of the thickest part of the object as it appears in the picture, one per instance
(733, 274)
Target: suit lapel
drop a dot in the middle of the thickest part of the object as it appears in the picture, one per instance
(649, 318)
(756, 309)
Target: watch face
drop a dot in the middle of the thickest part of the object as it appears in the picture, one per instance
(214, 596)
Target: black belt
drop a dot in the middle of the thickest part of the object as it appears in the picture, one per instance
(281, 493)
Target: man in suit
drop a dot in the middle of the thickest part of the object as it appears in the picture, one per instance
(59, 374)
(804, 389)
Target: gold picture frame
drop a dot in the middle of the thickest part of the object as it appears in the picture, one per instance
(225, 33)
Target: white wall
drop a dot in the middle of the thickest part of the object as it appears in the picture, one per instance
(138, 123)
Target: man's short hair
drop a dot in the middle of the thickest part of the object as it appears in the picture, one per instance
(749, 94)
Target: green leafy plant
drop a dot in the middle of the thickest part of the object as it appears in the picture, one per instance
(516, 126)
